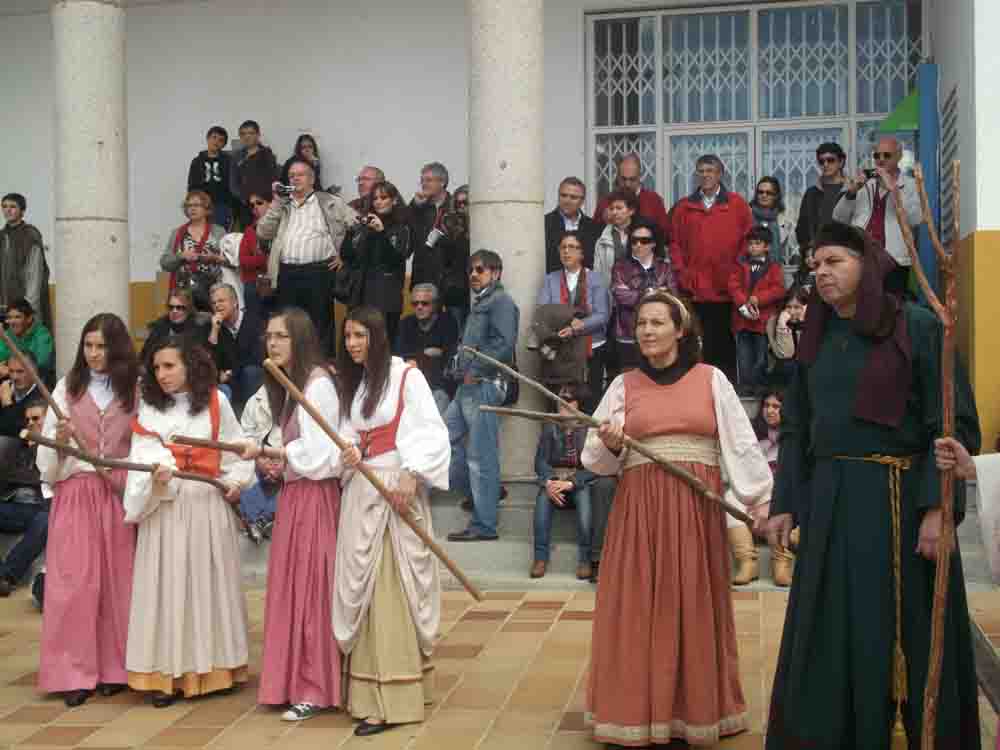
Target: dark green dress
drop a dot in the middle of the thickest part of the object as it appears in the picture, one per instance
(833, 684)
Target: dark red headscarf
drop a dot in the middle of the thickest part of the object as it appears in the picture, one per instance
(887, 374)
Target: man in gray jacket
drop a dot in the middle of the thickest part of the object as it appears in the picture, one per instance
(307, 229)
(475, 448)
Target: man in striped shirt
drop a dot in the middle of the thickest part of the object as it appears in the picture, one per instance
(307, 229)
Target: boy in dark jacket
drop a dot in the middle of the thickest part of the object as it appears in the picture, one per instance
(757, 287)
(209, 171)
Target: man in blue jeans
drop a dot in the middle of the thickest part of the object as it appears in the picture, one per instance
(24, 502)
(491, 328)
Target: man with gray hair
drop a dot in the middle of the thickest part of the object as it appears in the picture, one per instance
(431, 240)
(708, 233)
(629, 180)
(236, 344)
(366, 179)
(427, 339)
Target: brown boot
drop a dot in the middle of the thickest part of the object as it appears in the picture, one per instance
(782, 565)
(741, 540)
(538, 569)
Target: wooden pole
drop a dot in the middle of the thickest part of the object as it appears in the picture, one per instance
(681, 473)
(947, 313)
(218, 445)
(370, 475)
(46, 394)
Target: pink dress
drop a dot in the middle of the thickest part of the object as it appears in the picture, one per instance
(89, 556)
(301, 661)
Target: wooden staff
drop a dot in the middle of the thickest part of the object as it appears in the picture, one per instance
(218, 445)
(368, 474)
(947, 313)
(538, 416)
(46, 394)
(681, 473)
(116, 463)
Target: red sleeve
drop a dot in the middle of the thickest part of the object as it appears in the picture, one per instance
(736, 290)
(773, 291)
(678, 258)
(602, 206)
(660, 217)
(251, 259)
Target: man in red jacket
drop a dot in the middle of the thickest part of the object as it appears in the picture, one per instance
(707, 234)
(651, 205)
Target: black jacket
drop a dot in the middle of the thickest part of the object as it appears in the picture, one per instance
(812, 215)
(380, 260)
(246, 348)
(211, 174)
(12, 417)
(435, 264)
(590, 231)
(443, 334)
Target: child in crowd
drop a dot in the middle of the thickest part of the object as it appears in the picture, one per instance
(209, 171)
(782, 334)
(757, 287)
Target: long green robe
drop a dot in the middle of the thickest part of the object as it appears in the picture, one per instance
(832, 688)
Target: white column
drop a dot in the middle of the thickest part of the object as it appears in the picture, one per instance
(506, 173)
(91, 185)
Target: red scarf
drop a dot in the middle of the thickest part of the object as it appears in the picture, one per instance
(581, 300)
(876, 224)
(179, 246)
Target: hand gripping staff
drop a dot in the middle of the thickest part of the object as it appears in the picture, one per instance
(299, 398)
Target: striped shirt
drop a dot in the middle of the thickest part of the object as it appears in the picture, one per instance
(307, 236)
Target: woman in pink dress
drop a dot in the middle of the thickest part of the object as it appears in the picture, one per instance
(90, 550)
(301, 664)
(664, 661)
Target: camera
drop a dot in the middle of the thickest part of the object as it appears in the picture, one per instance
(284, 190)
(870, 174)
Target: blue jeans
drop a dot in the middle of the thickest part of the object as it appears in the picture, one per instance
(475, 452)
(441, 400)
(256, 504)
(543, 523)
(751, 357)
(29, 519)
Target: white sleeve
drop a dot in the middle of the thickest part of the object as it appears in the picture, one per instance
(596, 456)
(911, 203)
(233, 469)
(53, 466)
(748, 475)
(988, 505)
(313, 454)
(142, 496)
(422, 439)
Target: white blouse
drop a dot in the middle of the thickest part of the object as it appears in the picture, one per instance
(313, 454)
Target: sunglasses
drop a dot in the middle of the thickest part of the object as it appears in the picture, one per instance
(643, 241)
(766, 192)
(828, 160)
(478, 269)
(885, 155)
(177, 308)
(422, 303)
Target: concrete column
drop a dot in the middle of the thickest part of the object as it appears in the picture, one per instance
(506, 174)
(91, 175)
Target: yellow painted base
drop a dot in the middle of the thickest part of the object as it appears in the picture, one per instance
(979, 314)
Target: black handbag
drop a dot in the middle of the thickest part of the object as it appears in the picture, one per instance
(348, 285)
(512, 386)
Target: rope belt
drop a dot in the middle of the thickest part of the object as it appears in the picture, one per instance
(896, 465)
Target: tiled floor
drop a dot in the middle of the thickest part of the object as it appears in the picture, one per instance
(510, 675)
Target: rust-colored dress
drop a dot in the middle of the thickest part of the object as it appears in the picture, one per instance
(664, 662)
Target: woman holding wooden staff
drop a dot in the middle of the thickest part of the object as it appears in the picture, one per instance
(301, 665)
(90, 549)
(857, 475)
(664, 662)
(387, 603)
(188, 625)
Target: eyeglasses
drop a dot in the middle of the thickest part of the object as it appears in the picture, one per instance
(640, 240)
(176, 308)
(478, 269)
(882, 155)
(772, 193)
(828, 160)
(571, 196)
(422, 303)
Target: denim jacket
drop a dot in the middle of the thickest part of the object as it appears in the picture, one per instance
(492, 329)
(549, 443)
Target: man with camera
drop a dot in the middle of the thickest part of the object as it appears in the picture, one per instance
(867, 203)
(306, 227)
(431, 242)
(475, 449)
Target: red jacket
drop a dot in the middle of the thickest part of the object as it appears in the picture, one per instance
(705, 243)
(252, 261)
(651, 208)
(769, 291)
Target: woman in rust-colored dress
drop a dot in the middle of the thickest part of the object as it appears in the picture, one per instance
(664, 663)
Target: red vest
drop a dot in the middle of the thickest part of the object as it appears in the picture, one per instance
(205, 461)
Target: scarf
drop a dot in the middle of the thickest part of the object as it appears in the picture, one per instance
(580, 302)
(888, 372)
(768, 217)
(179, 246)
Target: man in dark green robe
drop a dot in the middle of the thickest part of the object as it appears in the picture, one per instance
(866, 388)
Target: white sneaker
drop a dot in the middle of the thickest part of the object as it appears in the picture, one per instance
(300, 712)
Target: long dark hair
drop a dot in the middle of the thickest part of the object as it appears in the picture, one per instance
(375, 371)
(201, 374)
(121, 359)
(302, 139)
(399, 214)
(307, 355)
(760, 426)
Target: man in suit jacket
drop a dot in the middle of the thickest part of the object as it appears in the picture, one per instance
(569, 216)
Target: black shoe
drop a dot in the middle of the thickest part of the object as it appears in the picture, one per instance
(364, 729)
(468, 535)
(77, 697)
(254, 533)
(266, 527)
(7, 586)
(107, 689)
(162, 700)
(594, 567)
